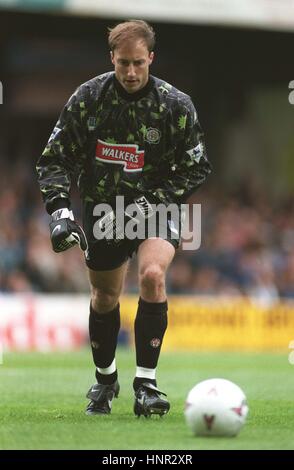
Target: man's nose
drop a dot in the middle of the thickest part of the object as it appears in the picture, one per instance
(131, 70)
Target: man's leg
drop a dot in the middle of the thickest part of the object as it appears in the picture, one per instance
(104, 324)
(154, 257)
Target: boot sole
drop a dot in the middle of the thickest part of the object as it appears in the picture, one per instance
(160, 409)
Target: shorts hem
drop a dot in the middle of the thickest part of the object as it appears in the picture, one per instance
(110, 267)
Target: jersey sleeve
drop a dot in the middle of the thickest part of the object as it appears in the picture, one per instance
(63, 154)
(191, 166)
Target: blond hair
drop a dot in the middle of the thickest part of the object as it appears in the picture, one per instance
(131, 30)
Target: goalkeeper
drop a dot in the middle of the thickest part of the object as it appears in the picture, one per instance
(124, 133)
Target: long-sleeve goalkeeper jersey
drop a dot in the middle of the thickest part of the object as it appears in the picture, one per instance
(149, 142)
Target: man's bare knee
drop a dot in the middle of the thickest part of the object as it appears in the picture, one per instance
(152, 282)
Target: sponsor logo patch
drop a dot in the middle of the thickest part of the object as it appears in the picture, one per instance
(144, 206)
(196, 153)
(127, 155)
(92, 123)
(54, 134)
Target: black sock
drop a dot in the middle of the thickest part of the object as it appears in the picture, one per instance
(138, 381)
(106, 379)
(150, 326)
(103, 329)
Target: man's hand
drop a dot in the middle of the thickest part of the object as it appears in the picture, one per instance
(65, 232)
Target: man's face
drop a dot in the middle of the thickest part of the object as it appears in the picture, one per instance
(131, 64)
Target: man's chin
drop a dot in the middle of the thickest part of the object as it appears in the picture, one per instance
(132, 87)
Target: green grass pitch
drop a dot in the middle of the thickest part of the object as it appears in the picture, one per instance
(43, 400)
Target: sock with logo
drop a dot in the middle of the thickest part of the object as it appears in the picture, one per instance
(103, 330)
(150, 326)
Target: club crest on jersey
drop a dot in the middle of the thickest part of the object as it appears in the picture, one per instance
(127, 155)
(152, 135)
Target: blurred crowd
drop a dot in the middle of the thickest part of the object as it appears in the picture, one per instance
(247, 245)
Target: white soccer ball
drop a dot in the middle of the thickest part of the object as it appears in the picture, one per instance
(216, 407)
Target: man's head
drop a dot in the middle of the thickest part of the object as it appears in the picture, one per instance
(131, 49)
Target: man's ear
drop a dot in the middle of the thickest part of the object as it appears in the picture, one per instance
(111, 57)
(151, 57)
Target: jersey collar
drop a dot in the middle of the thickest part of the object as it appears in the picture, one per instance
(138, 94)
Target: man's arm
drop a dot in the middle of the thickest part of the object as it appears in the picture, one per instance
(63, 155)
(192, 166)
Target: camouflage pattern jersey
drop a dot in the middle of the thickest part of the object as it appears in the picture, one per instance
(149, 142)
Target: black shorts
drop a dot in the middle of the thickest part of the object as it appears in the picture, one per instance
(105, 255)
